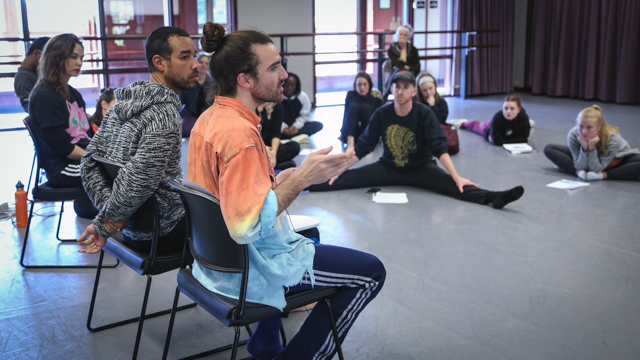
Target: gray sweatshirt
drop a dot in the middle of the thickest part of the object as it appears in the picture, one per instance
(618, 147)
(142, 131)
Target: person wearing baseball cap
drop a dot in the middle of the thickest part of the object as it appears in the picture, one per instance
(27, 74)
(412, 138)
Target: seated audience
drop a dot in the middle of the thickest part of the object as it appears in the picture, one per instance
(297, 110)
(27, 74)
(403, 55)
(510, 125)
(359, 105)
(412, 136)
(596, 150)
(281, 155)
(61, 130)
(428, 95)
(105, 102)
(227, 156)
(142, 131)
(195, 101)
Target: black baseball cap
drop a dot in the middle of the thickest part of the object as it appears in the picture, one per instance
(38, 44)
(404, 75)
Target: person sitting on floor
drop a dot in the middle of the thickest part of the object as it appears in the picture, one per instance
(228, 157)
(596, 150)
(359, 105)
(142, 132)
(61, 130)
(297, 110)
(27, 74)
(105, 102)
(511, 125)
(411, 136)
(428, 95)
(281, 155)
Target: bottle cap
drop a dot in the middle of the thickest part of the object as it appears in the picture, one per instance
(19, 185)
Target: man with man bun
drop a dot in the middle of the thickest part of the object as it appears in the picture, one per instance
(228, 157)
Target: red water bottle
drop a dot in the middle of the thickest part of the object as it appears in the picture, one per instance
(21, 206)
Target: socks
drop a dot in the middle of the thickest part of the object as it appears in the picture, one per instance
(582, 175)
(265, 342)
(500, 199)
(592, 176)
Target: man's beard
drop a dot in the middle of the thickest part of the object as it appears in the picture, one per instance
(180, 83)
(263, 94)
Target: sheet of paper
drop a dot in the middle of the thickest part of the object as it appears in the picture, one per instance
(302, 222)
(389, 198)
(519, 148)
(567, 184)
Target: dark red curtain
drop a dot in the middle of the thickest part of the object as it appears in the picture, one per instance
(489, 70)
(587, 49)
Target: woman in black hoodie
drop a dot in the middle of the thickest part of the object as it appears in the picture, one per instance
(508, 126)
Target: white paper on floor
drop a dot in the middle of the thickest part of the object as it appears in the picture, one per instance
(567, 184)
(390, 198)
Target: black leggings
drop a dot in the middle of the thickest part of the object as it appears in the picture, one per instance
(356, 119)
(309, 128)
(429, 176)
(627, 169)
(287, 151)
(83, 206)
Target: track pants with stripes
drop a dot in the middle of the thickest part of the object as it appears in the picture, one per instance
(359, 276)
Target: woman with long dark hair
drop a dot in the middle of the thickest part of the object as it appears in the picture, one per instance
(359, 105)
(57, 117)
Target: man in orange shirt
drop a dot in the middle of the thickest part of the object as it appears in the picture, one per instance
(228, 157)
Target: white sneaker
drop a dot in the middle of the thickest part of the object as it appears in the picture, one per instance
(532, 123)
(593, 176)
(301, 139)
(582, 175)
(456, 122)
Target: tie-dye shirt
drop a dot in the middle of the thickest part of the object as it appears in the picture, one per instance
(228, 157)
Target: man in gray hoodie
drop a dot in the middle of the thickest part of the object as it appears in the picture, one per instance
(143, 132)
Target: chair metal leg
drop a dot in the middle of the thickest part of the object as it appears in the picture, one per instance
(24, 249)
(334, 328)
(95, 291)
(284, 336)
(33, 164)
(236, 339)
(208, 352)
(170, 330)
(141, 321)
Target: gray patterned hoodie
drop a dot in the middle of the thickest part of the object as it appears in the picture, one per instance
(141, 131)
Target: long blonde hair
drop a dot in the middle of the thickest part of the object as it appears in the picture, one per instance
(595, 112)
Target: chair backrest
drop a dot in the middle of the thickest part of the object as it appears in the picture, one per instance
(144, 219)
(37, 143)
(209, 239)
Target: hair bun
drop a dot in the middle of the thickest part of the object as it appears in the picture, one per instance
(597, 107)
(212, 35)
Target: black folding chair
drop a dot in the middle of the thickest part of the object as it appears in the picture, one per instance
(146, 218)
(213, 248)
(44, 192)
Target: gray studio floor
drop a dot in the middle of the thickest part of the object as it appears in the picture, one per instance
(555, 275)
